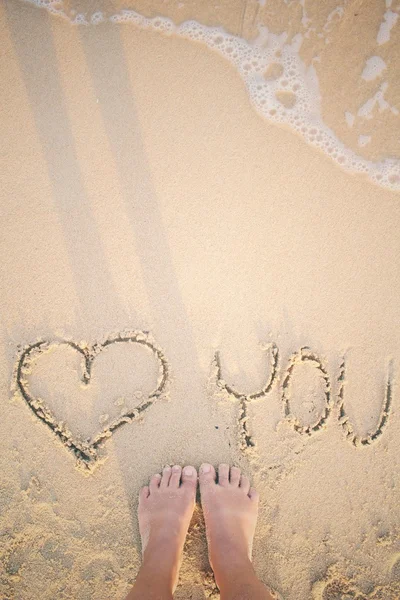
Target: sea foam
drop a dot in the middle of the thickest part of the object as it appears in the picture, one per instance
(280, 86)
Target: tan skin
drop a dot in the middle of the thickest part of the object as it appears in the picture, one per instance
(230, 509)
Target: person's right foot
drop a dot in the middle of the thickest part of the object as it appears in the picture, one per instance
(230, 508)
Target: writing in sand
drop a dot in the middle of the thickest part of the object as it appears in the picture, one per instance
(86, 450)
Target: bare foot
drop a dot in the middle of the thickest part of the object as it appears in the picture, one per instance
(165, 510)
(230, 511)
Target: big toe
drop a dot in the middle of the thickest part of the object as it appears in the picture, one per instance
(189, 478)
(207, 477)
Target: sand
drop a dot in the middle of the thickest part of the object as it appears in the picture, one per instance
(183, 281)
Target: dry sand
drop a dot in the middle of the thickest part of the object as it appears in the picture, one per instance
(151, 218)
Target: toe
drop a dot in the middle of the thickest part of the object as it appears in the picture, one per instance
(189, 478)
(207, 476)
(144, 493)
(155, 482)
(166, 476)
(235, 476)
(175, 480)
(245, 484)
(223, 474)
(254, 495)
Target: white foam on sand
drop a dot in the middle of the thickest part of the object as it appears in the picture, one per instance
(280, 86)
(377, 100)
(350, 118)
(373, 68)
(389, 21)
(363, 140)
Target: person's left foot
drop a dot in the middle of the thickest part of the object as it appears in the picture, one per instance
(165, 509)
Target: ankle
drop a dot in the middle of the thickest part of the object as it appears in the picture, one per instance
(161, 562)
(152, 583)
(228, 563)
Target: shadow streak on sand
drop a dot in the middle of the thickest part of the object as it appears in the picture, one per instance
(86, 252)
(109, 71)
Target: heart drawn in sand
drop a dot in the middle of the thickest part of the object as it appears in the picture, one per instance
(86, 452)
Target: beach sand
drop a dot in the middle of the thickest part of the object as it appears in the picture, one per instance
(184, 280)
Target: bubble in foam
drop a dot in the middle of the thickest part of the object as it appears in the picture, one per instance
(80, 19)
(96, 18)
(287, 99)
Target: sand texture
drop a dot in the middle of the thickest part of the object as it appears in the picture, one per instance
(185, 279)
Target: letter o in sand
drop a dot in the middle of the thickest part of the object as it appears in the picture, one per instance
(297, 359)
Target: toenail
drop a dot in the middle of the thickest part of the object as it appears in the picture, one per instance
(167, 468)
(176, 468)
(188, 471)
(206, 468)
